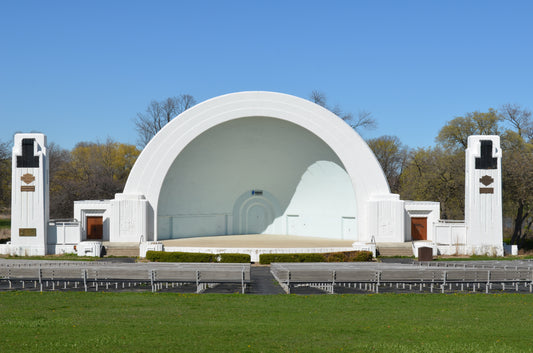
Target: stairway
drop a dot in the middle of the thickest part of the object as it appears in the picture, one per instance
(121, 249)
(395, 249)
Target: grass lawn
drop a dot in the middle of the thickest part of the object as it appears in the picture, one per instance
(146, 322)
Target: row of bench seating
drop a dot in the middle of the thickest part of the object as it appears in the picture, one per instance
(45, 275)
(372, 276)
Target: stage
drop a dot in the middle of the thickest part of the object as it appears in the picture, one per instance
(256, 244)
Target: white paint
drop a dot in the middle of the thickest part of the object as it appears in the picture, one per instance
(89, 248)
(63, 233)
(470, 250)
(93, 208)
(510, 249)
(154, 166)
(125, 218)
(256, 171)
(149, 246)
(424, 244)
(423, 209)
(129, 219)
(258, 162)
(483, 211)
(450, 233)
(362, 246)
(30, 209)
(256, 252)
(386, 218)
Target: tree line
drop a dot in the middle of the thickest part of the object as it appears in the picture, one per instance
(99, 170)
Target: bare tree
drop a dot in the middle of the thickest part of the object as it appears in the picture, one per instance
(363, 119)
(519, 118)
(158, 114)
(392, 156)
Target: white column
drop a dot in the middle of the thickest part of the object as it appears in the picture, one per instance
(483, 194)
(29, 195)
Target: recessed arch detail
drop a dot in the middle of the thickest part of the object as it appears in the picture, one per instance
(259, 206)
(148, 174)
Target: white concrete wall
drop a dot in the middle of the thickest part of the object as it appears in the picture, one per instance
(422, 209)
(450, 233)
(151, 168)
(129, 220)
(386, 219)
(98, 208)
(305, 188)
(62, 233)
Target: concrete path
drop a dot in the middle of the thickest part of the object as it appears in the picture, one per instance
(263, 282)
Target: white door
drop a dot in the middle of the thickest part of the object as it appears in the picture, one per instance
(292, 224)
(348, 228)
(257, 219)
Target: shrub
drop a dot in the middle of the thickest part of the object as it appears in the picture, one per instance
(361, 256)
(269, 258)
(346, 256)
(162, 256)
(234, 258)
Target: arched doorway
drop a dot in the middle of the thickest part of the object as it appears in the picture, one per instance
(254, 212)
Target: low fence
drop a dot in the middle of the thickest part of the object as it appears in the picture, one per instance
(52, 275)
(375, 277)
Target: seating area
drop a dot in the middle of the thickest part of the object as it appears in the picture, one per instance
(303, 278)
(95, 276)
(444, 277)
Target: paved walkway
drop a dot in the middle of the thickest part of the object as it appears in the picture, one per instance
(263, 282)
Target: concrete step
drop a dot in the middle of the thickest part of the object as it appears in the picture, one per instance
(395, 252)
(118, 249)
(395, 249)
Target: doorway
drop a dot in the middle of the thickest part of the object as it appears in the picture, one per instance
(95, 227)
(419, 227)
(254, 212)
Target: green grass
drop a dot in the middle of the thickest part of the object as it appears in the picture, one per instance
(146, 322)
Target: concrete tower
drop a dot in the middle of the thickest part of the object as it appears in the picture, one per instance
(29, 195)
(483, 195)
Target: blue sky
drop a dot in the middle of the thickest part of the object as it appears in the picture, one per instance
(81, 71)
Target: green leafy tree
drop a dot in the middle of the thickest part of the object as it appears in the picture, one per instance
(91, 171)
(436, 174)
(455, 133)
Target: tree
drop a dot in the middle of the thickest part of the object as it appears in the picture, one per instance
(92, 171)
(158, 114)
(517, 159)
(517, 174)
(519, 118)
(436, 174)
(60, 197)
(363, 119)
(455, 133)
(5, 175)
(392, 155)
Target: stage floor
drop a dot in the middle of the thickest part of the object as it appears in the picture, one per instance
(257, 241)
